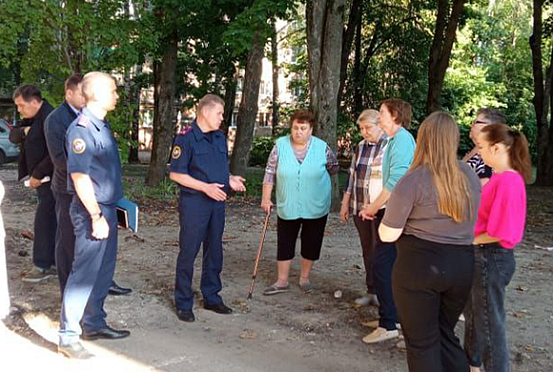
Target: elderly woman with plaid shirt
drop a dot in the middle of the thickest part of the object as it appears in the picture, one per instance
(363, 186)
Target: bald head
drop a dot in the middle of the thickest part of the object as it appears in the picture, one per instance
(99, 89)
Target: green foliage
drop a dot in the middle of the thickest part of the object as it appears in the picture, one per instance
(261, 148)
(491, 66)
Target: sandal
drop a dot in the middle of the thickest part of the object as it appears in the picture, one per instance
(274, 289)
(307, 287)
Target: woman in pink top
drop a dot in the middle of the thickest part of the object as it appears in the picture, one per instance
(499, 227)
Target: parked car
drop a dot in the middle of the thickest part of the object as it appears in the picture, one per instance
(8, 150)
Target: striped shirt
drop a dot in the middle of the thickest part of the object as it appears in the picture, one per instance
(364, 182)
(479, 167)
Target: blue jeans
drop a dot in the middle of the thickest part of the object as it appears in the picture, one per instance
(485, 335)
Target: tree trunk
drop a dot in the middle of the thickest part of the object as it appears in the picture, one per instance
(230, 97)
(247, 112)
(440, 51)
(358, 79)
(164, 98)
(135, 125)
(354, 20)
(543, 100)
(275, 103)
(324, 45)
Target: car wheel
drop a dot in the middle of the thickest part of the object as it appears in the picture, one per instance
(2, 158)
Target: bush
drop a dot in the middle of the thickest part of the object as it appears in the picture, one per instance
(261, 148)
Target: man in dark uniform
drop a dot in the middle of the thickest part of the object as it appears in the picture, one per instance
(55, 129)
(199, 165)
(35, 162)
(94, 177)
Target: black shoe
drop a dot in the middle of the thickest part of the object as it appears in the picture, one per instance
(115, 290)
(186, 315)
(219, 308)
(74, 351)
(107, 333)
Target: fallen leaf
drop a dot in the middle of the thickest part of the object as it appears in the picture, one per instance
(28, 234)
(248, 334)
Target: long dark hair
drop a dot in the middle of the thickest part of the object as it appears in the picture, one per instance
(519, 156)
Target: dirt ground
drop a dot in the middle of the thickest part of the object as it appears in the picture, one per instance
(287, 332)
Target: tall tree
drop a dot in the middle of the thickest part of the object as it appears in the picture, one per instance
(164, 100)
(543, 97)
(325, 22)
(447, 18)
(250, 33)
(247, 112)
(276, 72)
(354, 22)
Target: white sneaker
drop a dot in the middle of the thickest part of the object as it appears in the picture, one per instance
(380, 334)
(401, 345)
(376, 324)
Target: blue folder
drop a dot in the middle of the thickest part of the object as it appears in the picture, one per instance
(127, 214)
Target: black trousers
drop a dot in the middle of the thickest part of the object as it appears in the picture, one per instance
(312, 233)
(432, 283)
(65, 238)
(45, 228)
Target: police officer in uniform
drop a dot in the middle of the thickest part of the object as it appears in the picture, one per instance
(94, 177)
(55, 129)
(199, 165)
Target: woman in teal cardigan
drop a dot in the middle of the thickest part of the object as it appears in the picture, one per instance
(394, 119)
(300, 165)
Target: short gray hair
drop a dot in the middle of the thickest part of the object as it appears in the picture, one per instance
(209, 100)
(368, 116)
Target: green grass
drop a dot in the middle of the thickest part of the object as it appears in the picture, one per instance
(135, 188)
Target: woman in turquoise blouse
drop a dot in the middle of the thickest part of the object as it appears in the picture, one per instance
(394, 120)
(300, 165)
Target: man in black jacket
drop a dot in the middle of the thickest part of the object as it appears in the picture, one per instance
(35, 162)
(55, 127)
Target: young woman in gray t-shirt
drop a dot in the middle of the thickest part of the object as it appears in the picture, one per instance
(432, 211)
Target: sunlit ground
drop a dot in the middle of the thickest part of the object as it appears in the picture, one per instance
(21, 355)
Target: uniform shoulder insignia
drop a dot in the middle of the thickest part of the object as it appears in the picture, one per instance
(177, 152)
(186, 130)
(83, 121)
(78, 146)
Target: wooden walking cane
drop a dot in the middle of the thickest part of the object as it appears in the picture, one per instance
(259, 253)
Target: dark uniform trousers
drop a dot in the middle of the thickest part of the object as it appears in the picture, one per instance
(45, 228)
(65, 238)
(201, 219)
(92, 272)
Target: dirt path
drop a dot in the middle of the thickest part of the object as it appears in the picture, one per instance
(288, 332)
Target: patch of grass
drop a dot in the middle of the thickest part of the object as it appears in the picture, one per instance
(136, 189)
